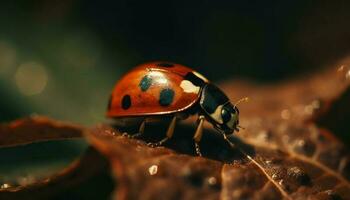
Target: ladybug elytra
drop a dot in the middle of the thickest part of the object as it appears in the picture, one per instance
(161, 89)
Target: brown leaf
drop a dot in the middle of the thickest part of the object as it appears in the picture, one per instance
(146, 173)
(58, 184)
(35, 129)
(282, 153)
(63, 183)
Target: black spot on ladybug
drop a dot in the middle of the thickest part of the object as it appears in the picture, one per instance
(145, 83)
(126, 102)
(166, 97)
(194, 79)
(110, 102)
(165, 65)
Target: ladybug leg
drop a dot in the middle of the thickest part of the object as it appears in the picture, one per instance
(169, 134)
(198, 134)
(141, 130)
(228, 141)
(139, 133)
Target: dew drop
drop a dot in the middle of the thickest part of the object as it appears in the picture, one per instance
(152, 170)
(298, 175)
(274, 176)
(268, 162)
(212, 181)
(301, 143)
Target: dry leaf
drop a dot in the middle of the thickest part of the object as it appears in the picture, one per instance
(35, 129)
(60, 184)
(282, 153)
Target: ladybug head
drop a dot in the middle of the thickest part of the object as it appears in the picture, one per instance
(229, 115)
(219, 110)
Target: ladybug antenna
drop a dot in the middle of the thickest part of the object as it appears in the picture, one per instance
(244, 99)
(240, 127)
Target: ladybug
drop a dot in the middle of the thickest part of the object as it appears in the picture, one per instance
(162, 89)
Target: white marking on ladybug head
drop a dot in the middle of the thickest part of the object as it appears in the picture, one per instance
(216, 115)
(233, 121)
(200, 76)
(188, 87)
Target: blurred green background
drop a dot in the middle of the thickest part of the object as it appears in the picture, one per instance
(61, 58)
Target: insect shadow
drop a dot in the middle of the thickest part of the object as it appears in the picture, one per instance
(212, 144)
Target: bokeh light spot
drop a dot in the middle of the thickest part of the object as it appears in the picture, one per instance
(31, 78)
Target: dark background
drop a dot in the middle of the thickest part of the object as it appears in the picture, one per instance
(61, 58)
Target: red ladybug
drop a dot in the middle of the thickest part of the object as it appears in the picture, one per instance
(163, 89)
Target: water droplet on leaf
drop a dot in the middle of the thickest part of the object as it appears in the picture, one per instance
(152, 170)
(212, 180)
